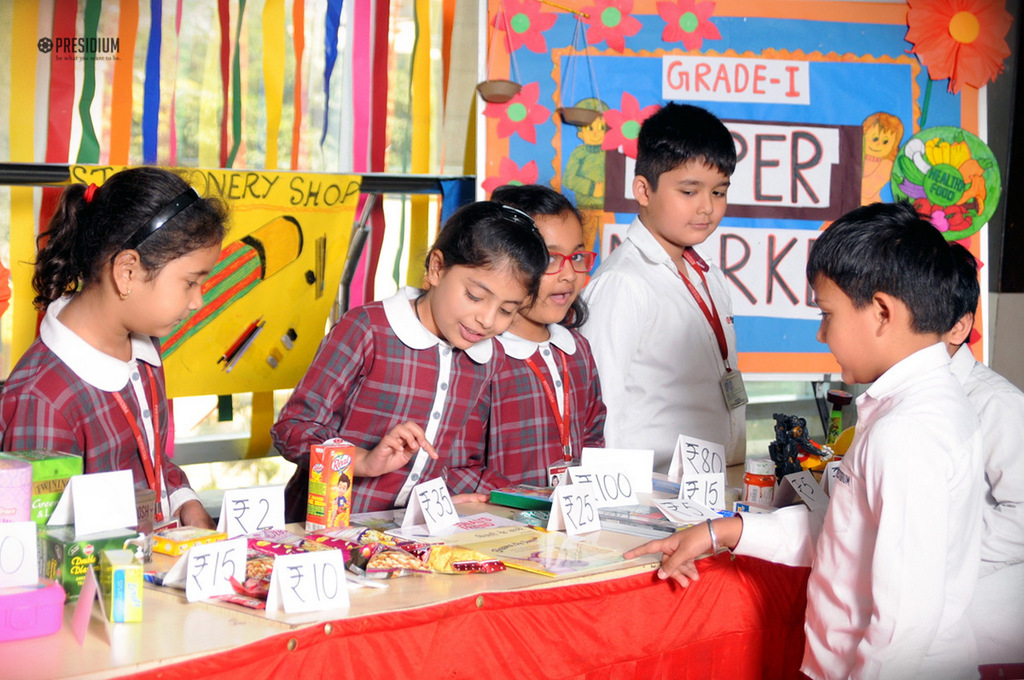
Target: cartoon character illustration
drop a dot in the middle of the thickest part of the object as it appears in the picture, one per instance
(339, 510)
(882, 135)
(584, 171)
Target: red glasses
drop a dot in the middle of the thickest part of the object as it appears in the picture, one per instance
(581, 261)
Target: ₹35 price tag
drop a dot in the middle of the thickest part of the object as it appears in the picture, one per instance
(209, 567)
(245, 511)
(573, 508)
(430, 504)
(18, 554)
(308, 582)
(807, 488)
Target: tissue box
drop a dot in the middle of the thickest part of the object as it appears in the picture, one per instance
(51, 471)
(66, 558)
(121, 583)
(15, 490)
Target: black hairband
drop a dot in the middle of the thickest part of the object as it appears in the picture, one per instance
(165, 215)
(519, 217)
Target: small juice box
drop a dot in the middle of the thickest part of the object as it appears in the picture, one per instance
(121, 583)
(66, 558)
(330, 484)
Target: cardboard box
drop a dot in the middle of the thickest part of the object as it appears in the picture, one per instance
(51, 471)
(15, 490)
(66, 558)
(330, 485)
(176, 541)
(121, 583)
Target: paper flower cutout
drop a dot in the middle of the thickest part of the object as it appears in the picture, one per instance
(624, 124)
(963, 40)
(510, 173)
(526, 23)
(687, 20)
(610, 21)
(519, 114)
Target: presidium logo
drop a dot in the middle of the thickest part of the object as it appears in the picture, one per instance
(80, 49)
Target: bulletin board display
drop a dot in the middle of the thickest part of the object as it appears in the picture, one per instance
(821, 97)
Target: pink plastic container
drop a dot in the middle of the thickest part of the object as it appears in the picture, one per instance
(31, 611)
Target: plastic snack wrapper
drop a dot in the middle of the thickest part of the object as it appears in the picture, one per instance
(449, 559)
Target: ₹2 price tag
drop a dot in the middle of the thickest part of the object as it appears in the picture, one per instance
(209, 567)
(308, 582)
(430, 504)
(574, 509)
(245, 511)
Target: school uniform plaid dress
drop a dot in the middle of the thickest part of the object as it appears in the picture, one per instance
(377, 368)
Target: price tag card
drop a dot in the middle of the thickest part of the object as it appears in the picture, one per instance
(96, 502)
(613, 488)
(828, 476)
(684, 512)
(693, 456)
(308, 582)
(807, 488)
(637, 464)
(19, 562)
(430, 504)
(708, 490)
(573, 509)
(246, 511)
(210, 565)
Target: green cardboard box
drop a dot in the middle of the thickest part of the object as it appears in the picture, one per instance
(66, 558)
(51, 471)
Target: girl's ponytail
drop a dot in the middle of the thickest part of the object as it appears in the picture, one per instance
(59, 260)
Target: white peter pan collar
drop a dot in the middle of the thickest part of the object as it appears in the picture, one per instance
(414, 334)
(652, 250)
(521, 348)
(100, 370)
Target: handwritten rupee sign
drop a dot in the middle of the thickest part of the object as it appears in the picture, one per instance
(209, 567)
(573, 508)
(694, 456)
(246, 511)
(807, 488)
(431, 504)
(684, 512)
(828, 476)
(308, 582)
(18, 554)
(613, 488)
(706, 489)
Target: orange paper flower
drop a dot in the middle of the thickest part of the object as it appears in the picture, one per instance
(963, 40)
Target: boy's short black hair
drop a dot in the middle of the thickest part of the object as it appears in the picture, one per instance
(968, 289)
(678, 134)
(890, 248)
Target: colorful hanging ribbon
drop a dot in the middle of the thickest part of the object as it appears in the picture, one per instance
(236, 90)
(89, 147)
(151, 88)
(273, 74)
(332, 22)
(299, 45)
(122, 92)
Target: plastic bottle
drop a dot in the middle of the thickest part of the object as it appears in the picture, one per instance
(759, 481)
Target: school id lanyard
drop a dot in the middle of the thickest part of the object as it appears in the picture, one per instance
(153, 472)
(562, 419)
(715, 321)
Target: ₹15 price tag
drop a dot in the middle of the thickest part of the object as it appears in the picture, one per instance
(308, 582)
(708, 490)
(430, 504)
(245, 511)
(209, 567)
(573, 508)
(18, 554)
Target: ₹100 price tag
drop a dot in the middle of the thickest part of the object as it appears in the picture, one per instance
(431, 504)
(574, 508)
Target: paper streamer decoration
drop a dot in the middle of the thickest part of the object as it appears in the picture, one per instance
(332, 21)
(173, 142)
(151, 89)
(236, 90)
(273, 73)
(122, 93)
(420, 163)
(89, 148)
(299, 45)
(224, 20)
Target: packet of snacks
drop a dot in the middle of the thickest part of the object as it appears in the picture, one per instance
(450, 559)
(386, 562)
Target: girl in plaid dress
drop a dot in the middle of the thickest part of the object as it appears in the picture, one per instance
(407, 379)
(546, 404)
(119, 266)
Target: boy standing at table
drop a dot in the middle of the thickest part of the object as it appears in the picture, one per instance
(997, 610)
(660, 316)
(894, 564)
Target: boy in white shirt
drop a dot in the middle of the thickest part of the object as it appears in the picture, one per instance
(997, 610)
(660, 315)
(895, 558)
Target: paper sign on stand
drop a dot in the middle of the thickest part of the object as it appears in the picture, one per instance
(573, 509)
(87, 598)
(637, 464)
(96, 502)
(694, 456)
(430, 503)
(684, 512)
(807, 488)
(245, 511)
(19, 554)
(308, 582)
(828, 476)
(210, 565)
(706, 489)
(612, 488)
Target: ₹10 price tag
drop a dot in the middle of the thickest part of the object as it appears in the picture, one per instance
(574, 509)
(209, 567)
(431, 504)
(308, 582)
(245, 511)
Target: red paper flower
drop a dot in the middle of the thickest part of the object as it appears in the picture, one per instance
(519, 114)
(510, 173)
(611, 22)
(526, 23)
(963, 40)
(687, 20)
(624, 125)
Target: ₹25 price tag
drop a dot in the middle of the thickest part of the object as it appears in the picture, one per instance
(574, 509)
(245, 511)
(209, 567)
(430, 504)
(308, 582)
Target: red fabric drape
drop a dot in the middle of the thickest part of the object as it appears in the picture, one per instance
(743, 619)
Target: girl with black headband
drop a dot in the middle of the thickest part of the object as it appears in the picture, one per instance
(118, 266)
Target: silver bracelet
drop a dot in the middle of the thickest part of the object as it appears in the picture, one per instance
(715, 548)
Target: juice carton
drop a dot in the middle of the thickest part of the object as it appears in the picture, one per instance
(66, 557)
(330, 484)
(121, 583)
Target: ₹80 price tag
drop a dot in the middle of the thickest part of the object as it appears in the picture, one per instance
(431, 504)
(574, 508)
(209, 567)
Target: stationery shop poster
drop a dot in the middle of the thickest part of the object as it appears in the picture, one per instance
(268, 298)
(820, 98)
